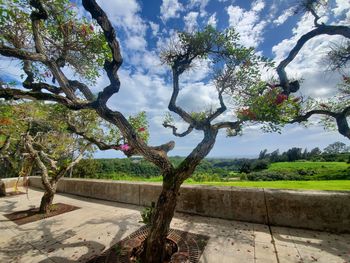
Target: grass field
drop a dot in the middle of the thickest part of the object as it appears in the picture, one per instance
(319, 167)
(320, 170)
(339, 185)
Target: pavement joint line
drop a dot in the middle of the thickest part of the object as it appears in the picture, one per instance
(269, 225)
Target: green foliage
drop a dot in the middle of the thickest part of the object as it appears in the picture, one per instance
(273, 176)
(47, 125)
(86, 168)
(336, 147)
(76, 42)
(268, 105)
(147, 213)
(140, 124)
(309, 170)
(332, 185)
(204, 177)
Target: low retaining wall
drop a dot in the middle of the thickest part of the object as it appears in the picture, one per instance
(11, 182)
(317, 210)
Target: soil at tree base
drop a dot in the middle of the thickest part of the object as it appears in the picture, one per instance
(32, 215)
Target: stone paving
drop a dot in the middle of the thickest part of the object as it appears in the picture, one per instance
(79, 235)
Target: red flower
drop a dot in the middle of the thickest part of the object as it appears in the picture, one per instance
(280, 99)
(91, 27)
(83, 30)
(248, 114)
(142, 129)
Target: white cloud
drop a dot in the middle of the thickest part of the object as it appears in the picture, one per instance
(148, 61)
(199, 71)
(342, 6)
(283, 17)
(212, 20)
(201, 4)
(170, 9)
(124, 14)
(155, 28)
(198, 96)
(258, 6)
(248, 23)
(310, 64)
(136, 42)
(191, 21)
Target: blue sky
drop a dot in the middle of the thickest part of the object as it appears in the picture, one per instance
(144, 28)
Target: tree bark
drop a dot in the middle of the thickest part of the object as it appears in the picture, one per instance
(2, 188)
(47, 199)
(161, 219)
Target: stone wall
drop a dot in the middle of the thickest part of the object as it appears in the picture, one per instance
(317, 210)
(11, 182)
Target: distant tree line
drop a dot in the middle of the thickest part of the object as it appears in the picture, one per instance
(336, 151)
(209, 167)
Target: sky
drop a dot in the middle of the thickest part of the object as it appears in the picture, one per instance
(144, 29)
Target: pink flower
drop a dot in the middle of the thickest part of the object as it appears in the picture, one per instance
(125, 147)
(142, 129)
(91, 27)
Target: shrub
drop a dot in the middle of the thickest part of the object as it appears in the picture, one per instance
(206, 177)
(147, 213)
(259, 165)
(274, 176)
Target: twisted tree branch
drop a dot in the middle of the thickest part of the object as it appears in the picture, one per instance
(320, 30)
(183, 134)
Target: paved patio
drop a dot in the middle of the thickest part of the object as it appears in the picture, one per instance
(78, 235)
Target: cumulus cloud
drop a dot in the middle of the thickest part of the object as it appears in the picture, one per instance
(248, 23)
(201, 4)
(125, 14)
(258, 6)
(309, 64)
(283, 17)
(170, 9)
(154, 28)
(212, 20)
(191, 21)
(342, 7)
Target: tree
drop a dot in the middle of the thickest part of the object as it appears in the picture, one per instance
(336, 147)
(315, 152)
(42, 37)
(274, 156)
(4, 159)
(42, 144)
(294, 154)
(262, 154)
(336, 110)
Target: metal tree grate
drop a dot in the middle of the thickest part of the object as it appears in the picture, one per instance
(189, 246)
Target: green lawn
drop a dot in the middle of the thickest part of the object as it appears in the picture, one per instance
(306, 185)
(343, 185)
(319, 166)
(320, 170)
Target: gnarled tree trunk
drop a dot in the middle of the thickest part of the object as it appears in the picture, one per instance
(165, 209)
(161, 219)
(47, 199)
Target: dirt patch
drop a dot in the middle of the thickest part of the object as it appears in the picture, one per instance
(32, 215)
(181, 247)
